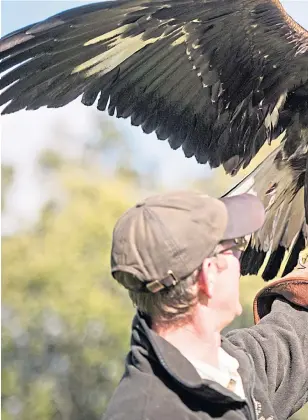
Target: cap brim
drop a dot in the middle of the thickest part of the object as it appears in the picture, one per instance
(246, 215)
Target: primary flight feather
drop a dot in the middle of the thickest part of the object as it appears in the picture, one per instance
(218, 78)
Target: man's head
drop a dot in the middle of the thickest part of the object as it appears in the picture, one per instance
(174, 250)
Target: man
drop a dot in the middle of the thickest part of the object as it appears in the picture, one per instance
(178, 256)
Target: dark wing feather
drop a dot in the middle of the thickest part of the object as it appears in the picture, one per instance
(208, 75)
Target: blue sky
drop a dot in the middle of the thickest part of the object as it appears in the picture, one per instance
(34, 127)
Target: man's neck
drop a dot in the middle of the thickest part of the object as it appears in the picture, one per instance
(194, 340)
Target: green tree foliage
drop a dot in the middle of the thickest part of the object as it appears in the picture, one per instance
(65, 321)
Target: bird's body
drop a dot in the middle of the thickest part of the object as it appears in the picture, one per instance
(218, 78)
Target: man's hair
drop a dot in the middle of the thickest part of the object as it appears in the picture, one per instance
(170, 304)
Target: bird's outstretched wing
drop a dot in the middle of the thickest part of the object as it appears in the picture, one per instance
(208, 75)
(279, 181)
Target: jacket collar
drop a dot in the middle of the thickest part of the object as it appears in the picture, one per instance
(157, 349)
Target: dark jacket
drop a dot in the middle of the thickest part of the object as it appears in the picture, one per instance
(160, 384)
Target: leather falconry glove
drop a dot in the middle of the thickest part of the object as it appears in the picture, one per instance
(293, 287)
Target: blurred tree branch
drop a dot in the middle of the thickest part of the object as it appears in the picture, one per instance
(7, 178)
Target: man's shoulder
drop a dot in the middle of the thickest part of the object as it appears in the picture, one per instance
(141, 395)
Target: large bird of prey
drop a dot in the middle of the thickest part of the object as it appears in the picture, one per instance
(218, 78)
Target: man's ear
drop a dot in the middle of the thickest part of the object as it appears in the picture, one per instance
(207, 277)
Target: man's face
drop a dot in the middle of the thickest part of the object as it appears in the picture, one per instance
(225, 300)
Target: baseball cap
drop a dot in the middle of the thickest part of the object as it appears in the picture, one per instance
(166, 237)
